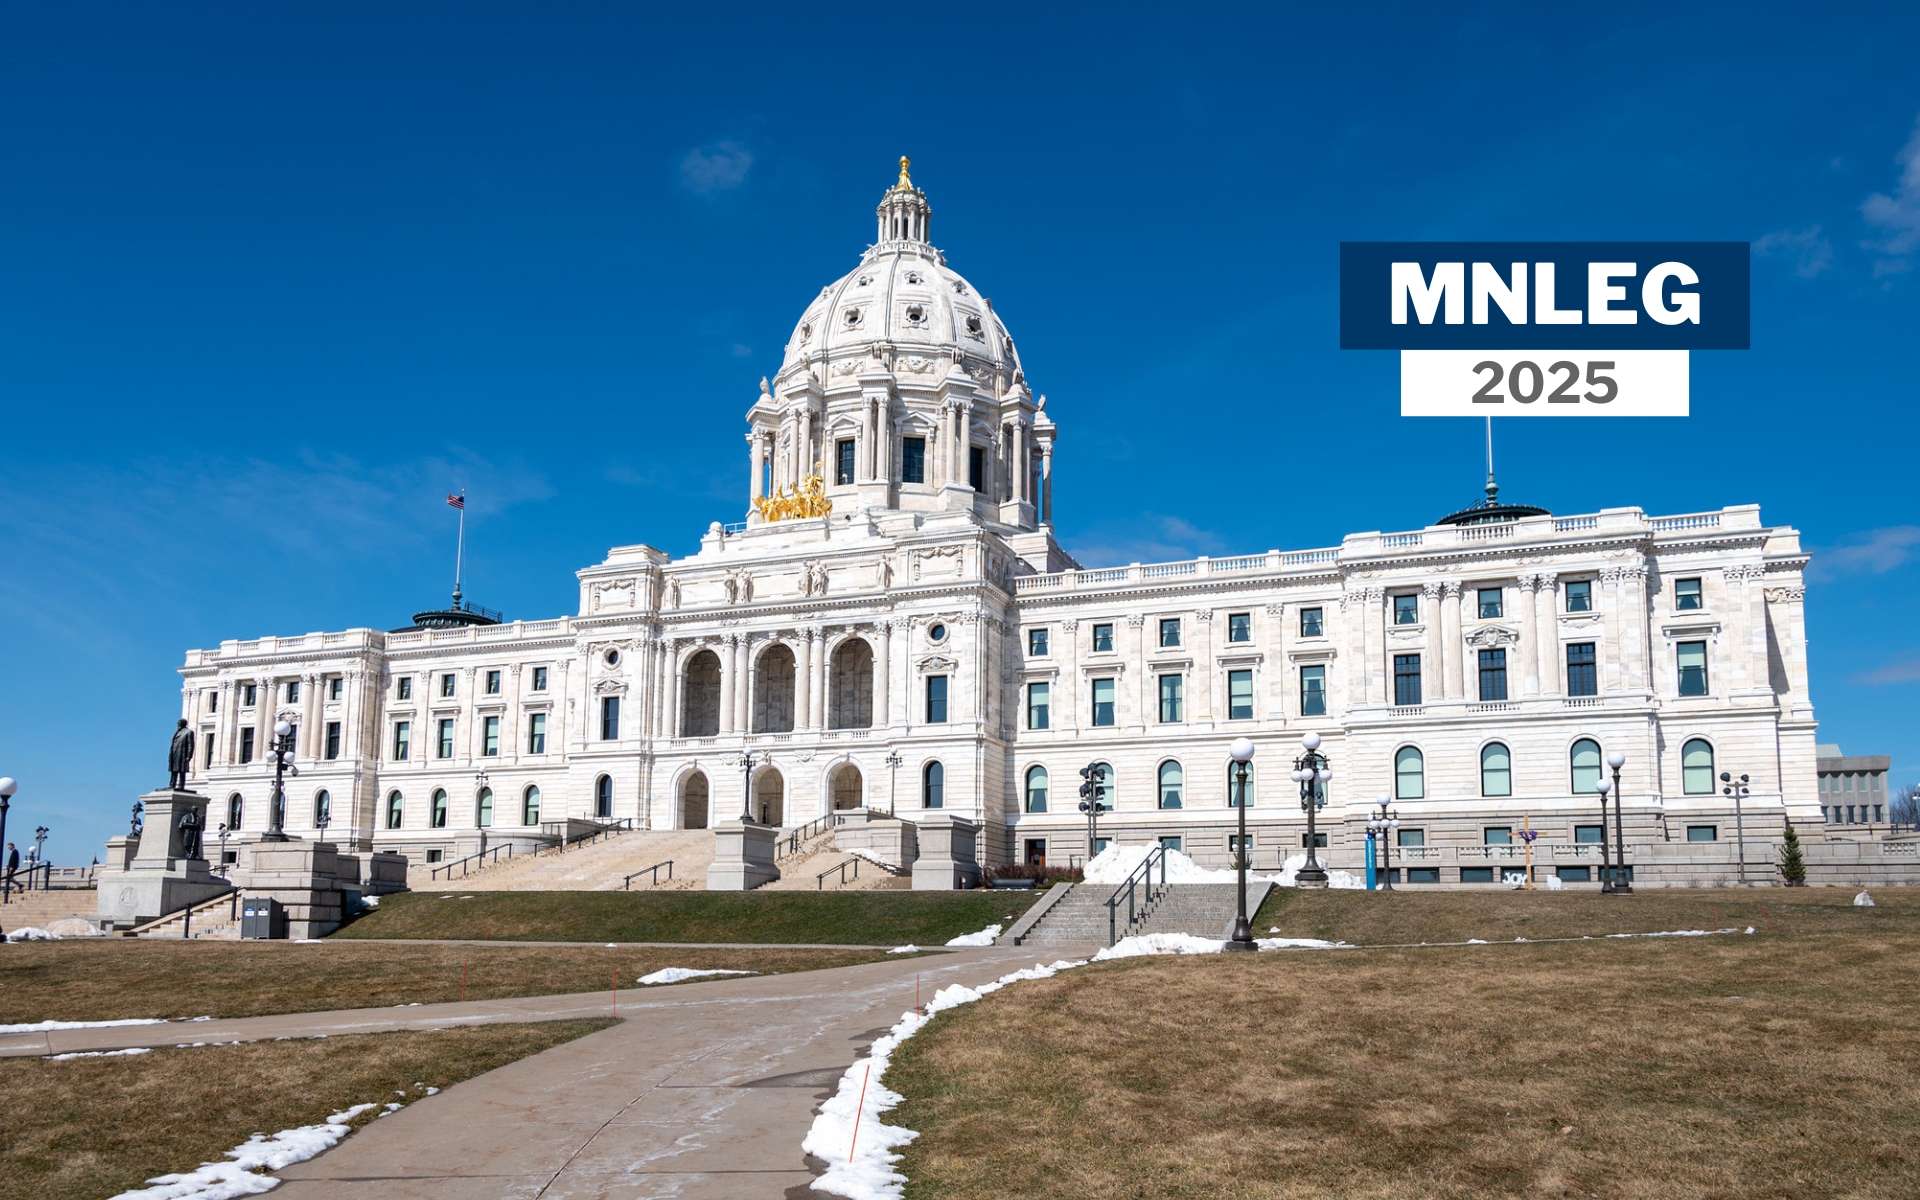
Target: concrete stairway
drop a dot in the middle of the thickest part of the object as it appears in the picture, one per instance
(215, 920)
(1080, 917)
(40, 909)
(597, 868)
(800, 872)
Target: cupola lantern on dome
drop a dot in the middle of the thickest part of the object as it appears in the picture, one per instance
(904, 213)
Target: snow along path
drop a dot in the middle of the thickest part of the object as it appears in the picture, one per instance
(681, 974)
(226, 1180)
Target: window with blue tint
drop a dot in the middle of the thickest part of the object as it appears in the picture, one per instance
(402, 734)
(933, 786)
(1406, 679)
(1583, 678)
(1493, 675)
(537, 733)
(1580, 596)
(1411, 837)
(530, 806)
(1239, 627)
(913, 460)
(1692, 657)
(1585, 758)
(483, 808)
(439, 808)
(402, 689)
(333, 741)
(1687, 596)
(1171, 698)
(1490, 603)
(1406, 609)
(493, 683)
(1172, 784)
(446, 684)
(1313, 691)
(1036, 789)
(1423, 874)
(539, 679)
(843, 461)
(1589, 835)
(1103, 702)
(322, 810)
(1240, 695)
(1497, 835)
(603, 797)
(1102, 638)
(610, 718)
(936, 699)
(1036, 643)
(490, 737)
(1409, 774)
(1476, 874)
(1103, 785)
(396, 809)
(1311, 624)
(1696, 768)
(1169, 632)
(1039, 705)
(1574, 874)
(1703, 833)
(443, 742)
(1233, 784)
(1496, 770)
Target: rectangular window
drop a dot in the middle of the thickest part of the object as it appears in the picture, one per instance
(1412, 837)
(443, 745)
(1497, 835)
(213, 702)
(206, 758)
(1171, 708)
(913, 460)
(1039, 705)
(1476, 874)
(402, 733)
(1233, 843)
(936, 699)
(1239, 627)
(1406, 679)
(1169, 633)
(1574, 874)
(843, 461)
(1103, 702)
(446, 684)
(1580, 596)
(1313, 691)
(1589, 835)
(1036, 643)
(493, 683)
(333, 739)
(1240, 695)
(1170, 842)
(1490, 605)
(333, 688)
(1310, 623)
(1423, 874)
(249, 694)
(1583, 677)
(293, 691)
(537, 734)
(1686, 595)
(246, 744)
(1319, 841)
(539, 679)
(610, 718)
(1493, 675)
(976, 468)
(1693, 668)
(1703, 833)
(1102, 638)
(434, 856)
(490, 737)
(403, 688)
(1406, 610)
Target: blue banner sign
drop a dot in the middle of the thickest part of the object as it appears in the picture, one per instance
(1544, 295)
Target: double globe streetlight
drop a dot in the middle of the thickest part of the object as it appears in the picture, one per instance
(1613, 876)
(1381, 825)
(280, 754)
(1312, 772)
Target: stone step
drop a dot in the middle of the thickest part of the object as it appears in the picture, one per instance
(1200, 909)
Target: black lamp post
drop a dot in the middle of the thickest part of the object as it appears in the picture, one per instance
(1605, 788)
(1313, 772)
(1737, 788)
(281, 753)
(1623, 883)
(226, 872)
(1242, 754)
(1091, 777)
(1381, 825)
(746, 784)
(893, 761)
(7, 788)
(39, 855)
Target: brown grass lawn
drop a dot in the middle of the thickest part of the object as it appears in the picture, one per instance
(1723, 1068)
(111, 978)
(92, 1127)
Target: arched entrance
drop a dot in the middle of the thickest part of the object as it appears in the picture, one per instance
(700, 696)
(850, 684)
(849, 789)
(694, 796)
(769, 798)
(773, 691)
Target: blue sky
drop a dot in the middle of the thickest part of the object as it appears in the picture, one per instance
(275, 279)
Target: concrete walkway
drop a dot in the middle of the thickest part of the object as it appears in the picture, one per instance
(703, 1092)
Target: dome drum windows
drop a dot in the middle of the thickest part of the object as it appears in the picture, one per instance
(975, 330)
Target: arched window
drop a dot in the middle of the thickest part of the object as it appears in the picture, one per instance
(1496, 770)
(1696, 768)
(1103, 778)
(439, 808)
(603, 797)
(1586, 767)
(236, 808)
(847, 787)
(1172, 782)
(395, 809)
(850, 685)
(1233, 784)
(530, 806)
(773, 677)
(1036, 789)
(483, 808)
(700, 696)
(1409, 774)
(933, 786)
(322, 809)
(693, 802)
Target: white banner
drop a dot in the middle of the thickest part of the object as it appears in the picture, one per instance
(1543, 383)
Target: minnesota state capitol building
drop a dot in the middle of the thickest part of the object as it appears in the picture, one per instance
(894, 628)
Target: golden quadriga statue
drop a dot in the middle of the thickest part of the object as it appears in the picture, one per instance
(807, 500)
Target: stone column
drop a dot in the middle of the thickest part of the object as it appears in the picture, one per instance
(664, 653)
(1046, 485)
(309, 717)
(224, 722)
(1136, 661)
(1546, 633)
(1529, 651)
(882, 673)
(756, 455)
(513, 745)
(803, 715)
(1200, 704)
(729, 674)
(1274, 676)
(1373, 663)
(1022, 470)
(1064, 695)
(743, 690)
(1451, 650)
(817, 689)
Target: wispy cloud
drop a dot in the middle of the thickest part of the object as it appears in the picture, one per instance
(1809, 251)
(1873, 552)
(1905, 669)
(1897, 216)
(715, 167)
(1153, 538)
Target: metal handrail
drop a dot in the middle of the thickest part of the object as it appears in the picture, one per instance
(841, 870)
(626, 885)
(790, 844)
(14, 878)
(1142, 876)
(606, 828)
(492, 855)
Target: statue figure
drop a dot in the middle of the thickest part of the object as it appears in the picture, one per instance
(180, 756)
(732, 588)
(886, 574)
(816, 579)
(190, 831)
(673, 591)
(139, 821)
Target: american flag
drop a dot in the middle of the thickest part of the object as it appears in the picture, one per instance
(459, 502)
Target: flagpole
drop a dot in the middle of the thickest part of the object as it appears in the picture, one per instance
(460, 548)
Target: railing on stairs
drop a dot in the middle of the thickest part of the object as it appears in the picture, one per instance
(184, 915)
(626, 884)
(1140, 893)
(601, 828)
(491, 856)
(791, 843)
(841, 871)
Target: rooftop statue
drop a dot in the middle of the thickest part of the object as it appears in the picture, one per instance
(180, 756)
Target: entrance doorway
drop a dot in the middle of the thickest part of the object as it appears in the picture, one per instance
(694, 797)
(848, 787)
(769, 798)
(1036, 852)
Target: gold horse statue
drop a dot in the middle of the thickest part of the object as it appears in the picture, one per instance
(809, 499)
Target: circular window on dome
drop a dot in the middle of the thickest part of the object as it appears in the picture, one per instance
(916, 315)
(973, 326)
(853, 317)
(613, 658)
(936, 632)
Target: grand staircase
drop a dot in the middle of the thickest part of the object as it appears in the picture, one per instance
(38, 909)
(1080, 917)
(603, 866)
(215, 920)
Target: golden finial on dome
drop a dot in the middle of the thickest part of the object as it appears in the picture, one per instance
(905, 184)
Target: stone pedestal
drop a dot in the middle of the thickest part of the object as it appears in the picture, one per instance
(151, 876)
(742, 856)
(886, 837)
(949, 854)
(375, 872)
(305, 877)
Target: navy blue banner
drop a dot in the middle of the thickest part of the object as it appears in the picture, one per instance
(1544, 295)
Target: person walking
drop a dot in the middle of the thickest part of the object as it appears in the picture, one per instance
(13, 865)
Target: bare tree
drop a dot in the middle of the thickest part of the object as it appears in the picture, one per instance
(1905, 809)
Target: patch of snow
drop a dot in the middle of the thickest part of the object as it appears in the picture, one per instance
(49, 1026)
(74, 927)
(1289, 870)
(909, 948)
(678, 974)
(433, 1091)
(370, 902)
(1749, 929)
(876, 859)
(984, 938)
(1159, 943)
(1299, 944)
(32, 933)
(1476, 941)
(99, 1054)
(228, 1180)
(1864, 900)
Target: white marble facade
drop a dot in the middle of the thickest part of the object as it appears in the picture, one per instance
(811, 642)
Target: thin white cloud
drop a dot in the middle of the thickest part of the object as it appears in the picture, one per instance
(1807, 249)
(1897, 216)
(1153, 538)
(1873, 552)
(1905, 669)
(714, 168)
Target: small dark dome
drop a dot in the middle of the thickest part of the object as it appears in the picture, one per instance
(1490, 511)
(459, 615)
